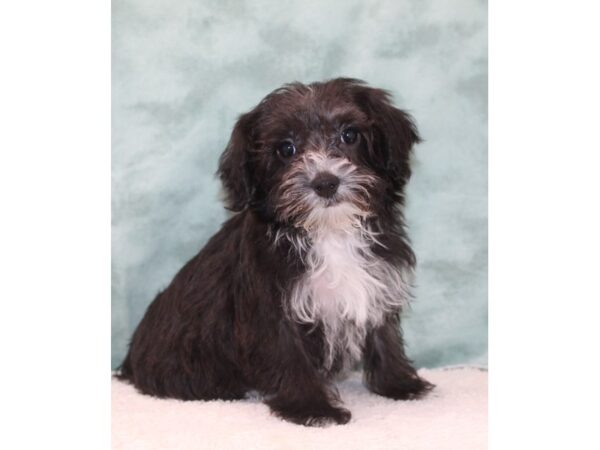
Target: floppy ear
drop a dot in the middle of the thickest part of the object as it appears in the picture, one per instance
(394, 131)
(233, 164)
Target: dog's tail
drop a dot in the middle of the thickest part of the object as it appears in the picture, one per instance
(124, 372)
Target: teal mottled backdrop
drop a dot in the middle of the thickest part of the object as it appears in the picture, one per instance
(183, 70)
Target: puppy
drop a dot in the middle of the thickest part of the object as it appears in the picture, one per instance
(309, 275)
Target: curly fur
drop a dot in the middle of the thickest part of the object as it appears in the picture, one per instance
(296, 286)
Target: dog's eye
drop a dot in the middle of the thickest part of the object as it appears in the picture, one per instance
(349, 135)
(287, 149)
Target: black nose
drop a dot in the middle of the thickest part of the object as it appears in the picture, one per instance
(325, 184)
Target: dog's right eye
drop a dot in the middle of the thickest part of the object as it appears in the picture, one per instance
(287, 149)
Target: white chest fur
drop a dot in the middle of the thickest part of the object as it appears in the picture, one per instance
(347, 289)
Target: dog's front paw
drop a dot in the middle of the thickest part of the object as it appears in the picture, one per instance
(314, 417)
(403, 388)
(339, 416)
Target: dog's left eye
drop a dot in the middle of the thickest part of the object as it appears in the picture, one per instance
(349, 135)
(287, 149)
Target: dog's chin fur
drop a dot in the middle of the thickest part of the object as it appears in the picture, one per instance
(346, 288)
(295, 288)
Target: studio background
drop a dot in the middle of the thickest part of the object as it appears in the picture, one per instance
(182, 71)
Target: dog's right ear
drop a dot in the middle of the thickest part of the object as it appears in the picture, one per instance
(233, 164)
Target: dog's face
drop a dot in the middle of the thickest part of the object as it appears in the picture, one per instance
(319, 155)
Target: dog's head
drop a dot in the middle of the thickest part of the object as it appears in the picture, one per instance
(324, 154)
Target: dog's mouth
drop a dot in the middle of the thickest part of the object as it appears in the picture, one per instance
(333, 201)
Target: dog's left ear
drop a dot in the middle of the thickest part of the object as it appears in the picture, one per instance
(233, 164)
(395, 133)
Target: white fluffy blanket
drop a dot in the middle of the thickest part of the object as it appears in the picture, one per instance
(453, 416)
